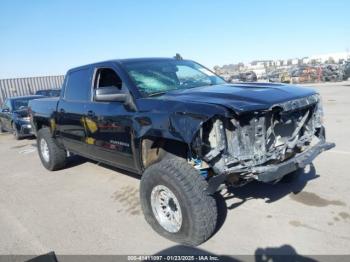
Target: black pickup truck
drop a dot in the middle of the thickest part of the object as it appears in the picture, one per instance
(184, 129)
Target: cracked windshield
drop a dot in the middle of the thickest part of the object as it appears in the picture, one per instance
(157, 78)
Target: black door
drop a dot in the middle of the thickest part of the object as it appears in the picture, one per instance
(109, 124)
(71, 110)
(70, 125)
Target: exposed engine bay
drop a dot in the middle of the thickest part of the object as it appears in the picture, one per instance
(242, 149)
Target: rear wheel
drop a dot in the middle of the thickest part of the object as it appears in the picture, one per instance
(51, 155)
(175, 204)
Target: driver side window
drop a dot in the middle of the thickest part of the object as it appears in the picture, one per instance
(106, 77)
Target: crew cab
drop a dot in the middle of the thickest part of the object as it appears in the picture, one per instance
(183, 129)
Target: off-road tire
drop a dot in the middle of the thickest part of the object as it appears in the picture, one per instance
(57, 155)
(15, 132)
(199, 210)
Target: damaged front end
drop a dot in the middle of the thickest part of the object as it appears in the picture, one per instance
(263, 145)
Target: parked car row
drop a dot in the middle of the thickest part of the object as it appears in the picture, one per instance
(14, 113)
(295, 74)
(310, 74)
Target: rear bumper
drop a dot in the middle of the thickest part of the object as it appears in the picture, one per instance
(271, 173)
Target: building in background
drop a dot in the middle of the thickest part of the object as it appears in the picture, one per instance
(28, 86)
(331, 58)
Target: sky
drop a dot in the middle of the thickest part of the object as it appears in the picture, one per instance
(46, 37)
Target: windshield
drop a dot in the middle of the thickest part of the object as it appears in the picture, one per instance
(48, 92)
(20, 104)
(159, 77)
(55, 93)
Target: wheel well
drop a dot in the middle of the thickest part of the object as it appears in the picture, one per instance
(153, 149)
(40, 123)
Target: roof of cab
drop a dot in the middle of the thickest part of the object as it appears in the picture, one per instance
(125, 60)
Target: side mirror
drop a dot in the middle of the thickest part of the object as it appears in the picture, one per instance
(110, 94)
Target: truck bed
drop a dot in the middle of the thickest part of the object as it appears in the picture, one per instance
(43, 107)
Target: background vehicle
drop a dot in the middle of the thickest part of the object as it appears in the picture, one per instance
(249, 76)
(185, 130)
(306, 74)
(234, 78)
(279, 77)
(49, 92)
(14, 116)
(332, 72)
(346, 71)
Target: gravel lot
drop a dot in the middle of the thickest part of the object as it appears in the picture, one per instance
(93, 209)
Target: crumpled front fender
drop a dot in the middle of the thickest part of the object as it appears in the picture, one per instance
(185, 126)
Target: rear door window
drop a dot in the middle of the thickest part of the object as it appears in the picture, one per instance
(78, 86)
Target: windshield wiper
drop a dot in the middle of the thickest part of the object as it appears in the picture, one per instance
(157, 93)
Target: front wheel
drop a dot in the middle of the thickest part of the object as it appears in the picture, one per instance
(15, 132)
(175, 204)
(1, 128)
(51, 155)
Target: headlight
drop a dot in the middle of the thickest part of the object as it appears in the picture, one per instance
(319, 113)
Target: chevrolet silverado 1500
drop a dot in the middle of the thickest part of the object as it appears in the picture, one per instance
(185, 130)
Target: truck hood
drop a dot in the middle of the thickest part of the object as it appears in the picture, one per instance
(241, 97)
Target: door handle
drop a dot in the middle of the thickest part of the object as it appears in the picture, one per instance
(91, 113)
